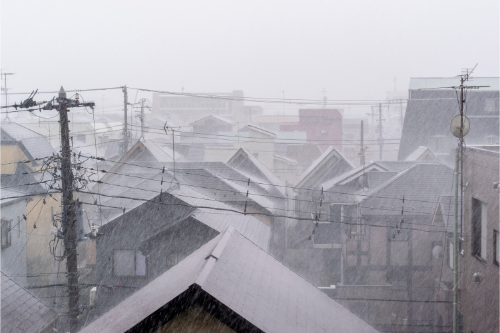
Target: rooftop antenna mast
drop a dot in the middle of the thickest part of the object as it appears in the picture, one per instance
(6, 92)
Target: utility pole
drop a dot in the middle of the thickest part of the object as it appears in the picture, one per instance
(6, 90)
(69, 230)
(69, 214)
(401, 114)
(380, 139)
(361, 149)
(142, 118)
(124, 146)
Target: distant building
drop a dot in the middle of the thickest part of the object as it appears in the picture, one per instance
(429, 113)
(192, 106)
(323, 127)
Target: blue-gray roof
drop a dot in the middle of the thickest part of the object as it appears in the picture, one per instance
(21, 310)
(245, 279)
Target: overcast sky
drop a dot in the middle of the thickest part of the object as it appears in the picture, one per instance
(352, 49)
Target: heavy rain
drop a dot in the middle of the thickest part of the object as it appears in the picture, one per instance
(230, 166)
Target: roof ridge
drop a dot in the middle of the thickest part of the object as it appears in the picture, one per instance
(214, 256)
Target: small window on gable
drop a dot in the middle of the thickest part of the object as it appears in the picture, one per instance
(6, 233)
(129, 263)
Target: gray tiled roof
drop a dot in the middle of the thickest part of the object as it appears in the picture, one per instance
(268, 175)
(247, 280)
(35, 144)
(316, 165)
(421, 185)
(21, 310)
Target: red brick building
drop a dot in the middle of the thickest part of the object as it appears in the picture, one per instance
(323, 127)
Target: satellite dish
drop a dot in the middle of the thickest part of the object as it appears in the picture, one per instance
(455, 126)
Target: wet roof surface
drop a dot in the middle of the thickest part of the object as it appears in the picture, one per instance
(246, 279)
(21, 310)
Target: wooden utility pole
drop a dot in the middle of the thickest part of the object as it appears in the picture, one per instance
(68, 214)
(124, 145)
(69, 228)
(361, 149)
(380, 138)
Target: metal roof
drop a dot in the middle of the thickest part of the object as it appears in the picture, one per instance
(330, 152)
(247, 280)
(36, 145)
(21, 310)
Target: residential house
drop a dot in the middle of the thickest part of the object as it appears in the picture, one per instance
(13, 210)
(230, 284)
(23, 312)
(382, 215)
(479, 260)
(22, 157)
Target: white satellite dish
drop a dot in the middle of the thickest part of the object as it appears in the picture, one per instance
(456, 123)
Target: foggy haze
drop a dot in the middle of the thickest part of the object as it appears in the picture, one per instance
(352, 49)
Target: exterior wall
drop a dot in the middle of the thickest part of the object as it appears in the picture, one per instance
(261, 145)
(39, 258)
(11, 154)
(194, 320)
(190, 108)
(479, 302)
(323, 127)
(154, 238)
(14, 256)
(378, 267)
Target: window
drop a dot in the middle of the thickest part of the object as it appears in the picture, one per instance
(6, 233)
(347, 214)
(479, 228)
(496, 247)
(174, 258)
(80, 137)
(129, 263)
(323, 132)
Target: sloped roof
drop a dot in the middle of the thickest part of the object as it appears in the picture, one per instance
(222, 119)
(266, 173)
(421, 154)
(209, 211)
(249, 285)
(421, 185)
(352, 174)
(321, 161)
(257, 129)
(34, 144)
(162, 154)
(21, 310)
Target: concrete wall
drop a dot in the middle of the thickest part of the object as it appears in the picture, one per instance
(479, 302)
